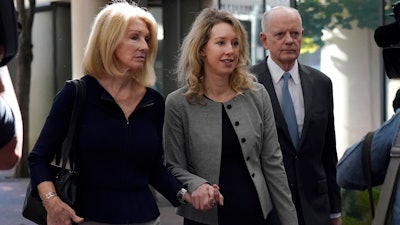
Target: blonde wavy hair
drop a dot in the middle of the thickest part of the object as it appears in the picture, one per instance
(107, 32)
(190, 68)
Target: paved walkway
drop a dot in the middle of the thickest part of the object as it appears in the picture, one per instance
(12, 194)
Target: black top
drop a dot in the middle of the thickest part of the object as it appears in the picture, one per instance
(241, 204)
(117, 157)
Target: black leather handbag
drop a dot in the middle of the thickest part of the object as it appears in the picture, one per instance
(65, 179)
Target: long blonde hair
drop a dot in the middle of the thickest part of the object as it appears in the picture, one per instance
(107, 32)
(190, 68)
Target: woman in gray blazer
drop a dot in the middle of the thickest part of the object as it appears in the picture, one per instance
(219, 129)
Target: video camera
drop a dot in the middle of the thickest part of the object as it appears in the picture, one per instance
(388, 37)
(396, 10)
(8, 31)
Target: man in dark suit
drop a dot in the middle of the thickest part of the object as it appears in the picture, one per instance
(309, 149)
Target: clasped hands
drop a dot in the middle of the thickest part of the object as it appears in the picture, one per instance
(206, 196)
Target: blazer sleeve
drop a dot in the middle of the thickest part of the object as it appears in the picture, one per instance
(273, 168)
(175, 144)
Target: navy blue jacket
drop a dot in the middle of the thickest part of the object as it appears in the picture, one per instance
(117, 159)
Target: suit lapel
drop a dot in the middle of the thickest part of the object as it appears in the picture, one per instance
(265, 78)
(307, 87)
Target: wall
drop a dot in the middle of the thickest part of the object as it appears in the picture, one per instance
(352, 60)
(51, 65)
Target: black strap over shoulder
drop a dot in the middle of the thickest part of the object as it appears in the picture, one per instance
(366, 162)
(66, 154)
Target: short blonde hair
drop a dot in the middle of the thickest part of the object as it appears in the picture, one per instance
(107, 32)
(190, 68)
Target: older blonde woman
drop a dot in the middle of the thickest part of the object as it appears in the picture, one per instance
(119, 142)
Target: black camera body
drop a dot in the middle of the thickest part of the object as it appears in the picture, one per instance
(8, 30)
(396, 11)
(388, 37)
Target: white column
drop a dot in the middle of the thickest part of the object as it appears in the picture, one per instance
(82, 15)
(352, 60)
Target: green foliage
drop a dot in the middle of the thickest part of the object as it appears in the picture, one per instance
(318, 15)
(356, 206)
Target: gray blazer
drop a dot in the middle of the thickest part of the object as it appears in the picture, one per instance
(193, 139)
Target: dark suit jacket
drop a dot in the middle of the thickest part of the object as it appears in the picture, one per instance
(311, 169)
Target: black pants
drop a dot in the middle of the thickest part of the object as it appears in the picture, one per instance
(191, 222)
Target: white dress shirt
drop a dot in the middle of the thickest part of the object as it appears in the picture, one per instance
(295, 89)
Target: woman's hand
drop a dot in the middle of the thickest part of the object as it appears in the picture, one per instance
(217, 195)
(59, 213)
(205, 197)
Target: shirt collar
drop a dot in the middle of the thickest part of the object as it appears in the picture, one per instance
(277, 72)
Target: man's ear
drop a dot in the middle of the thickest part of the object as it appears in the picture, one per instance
(263, 40)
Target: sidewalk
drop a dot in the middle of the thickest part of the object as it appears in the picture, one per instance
(12, 194)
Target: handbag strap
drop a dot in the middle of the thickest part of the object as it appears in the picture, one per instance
(389, 186)
(366, 162)
(80, 95)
